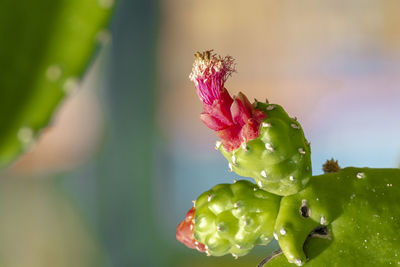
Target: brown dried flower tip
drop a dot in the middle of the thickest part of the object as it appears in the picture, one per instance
(331, 165)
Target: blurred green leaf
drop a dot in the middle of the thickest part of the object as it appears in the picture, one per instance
(45, 48)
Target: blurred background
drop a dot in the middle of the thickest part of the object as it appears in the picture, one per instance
(109, 180)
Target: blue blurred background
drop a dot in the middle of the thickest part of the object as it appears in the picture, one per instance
(108, 182)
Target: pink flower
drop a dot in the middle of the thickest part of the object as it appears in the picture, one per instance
(234, 120)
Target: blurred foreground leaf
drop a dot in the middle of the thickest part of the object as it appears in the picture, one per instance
(45, 48)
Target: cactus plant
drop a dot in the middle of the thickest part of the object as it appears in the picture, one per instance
(345, 217)
(259, 140)
(46, 48)
(353, 210)
(231, 218)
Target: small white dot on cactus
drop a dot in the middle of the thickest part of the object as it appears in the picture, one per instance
(389, 185)
(194, 203)
(230, 167)
(53, 73)
(270, 107)
(291, 178)
(276, 236)
(209, 198)
(244, 146)
(323, 220)
(269, 147)
(259, 184)
(263, 174)
(255, 189)
(266, 125)
(71, 85)
(302, 151)
(238, 246)
(25, 135)
(294, 126)
(298, 262)
(196, 243)
(360, 175)
(236, 205)
(233, 159)
(234, 181)
(282, 231)
(217, 145)
(295, 118)
(208, 253)
(235, 256)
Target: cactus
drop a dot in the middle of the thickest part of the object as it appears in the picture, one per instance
(231, 218)
(260, 140)
(359, 208)
(279, 158)
(44, 55)
(354, 210)
(345, 217)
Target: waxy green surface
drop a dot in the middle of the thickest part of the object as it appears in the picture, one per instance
(279, 160)
(360, 207)
(46, 46)
(233, 218)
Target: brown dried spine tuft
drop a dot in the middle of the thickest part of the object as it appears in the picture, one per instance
(331, 165)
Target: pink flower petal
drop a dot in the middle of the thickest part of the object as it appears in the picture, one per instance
(250, 131)
(230, 137)
(240, 115)
(212, 122)
(245, 102)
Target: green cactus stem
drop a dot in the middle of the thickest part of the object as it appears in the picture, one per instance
(279, 159)
(46, 47)
(338, 215)
(233, 218)
(358, 208)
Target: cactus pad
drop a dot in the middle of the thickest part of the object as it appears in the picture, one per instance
(358, 206)
(279, 158)
(233, 218)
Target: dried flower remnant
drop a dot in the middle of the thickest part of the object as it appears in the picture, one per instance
(235, 120)
(331, 165)
(209, 74)
(185, 230)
